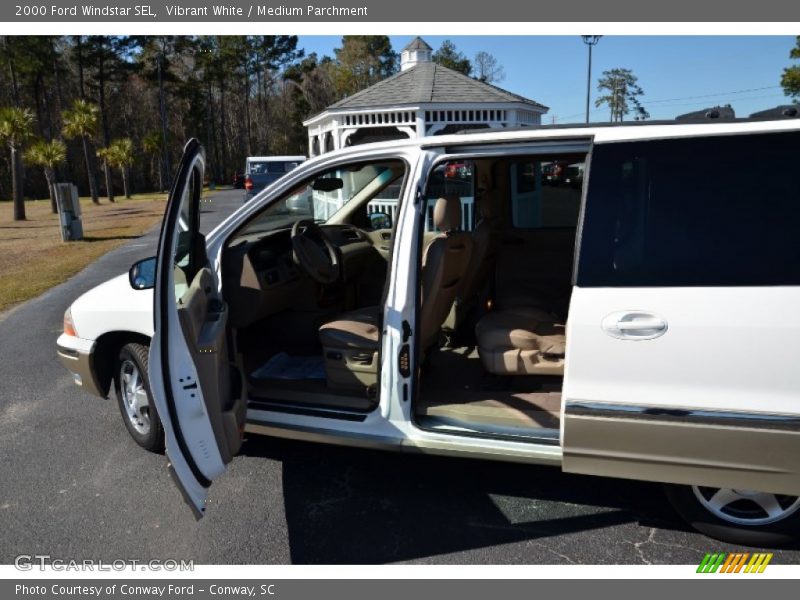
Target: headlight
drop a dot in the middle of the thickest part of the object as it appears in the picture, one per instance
(69, 325)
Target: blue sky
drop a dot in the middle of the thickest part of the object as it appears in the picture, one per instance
(672, 70)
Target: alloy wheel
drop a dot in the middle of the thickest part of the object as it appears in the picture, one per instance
(746, 507)
(134, 397)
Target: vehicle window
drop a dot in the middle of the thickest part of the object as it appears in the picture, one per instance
(376, 185)
(546, 192)
(455, 178)
(187, 227)
(276, 167)
(271, 167)
(719, 211)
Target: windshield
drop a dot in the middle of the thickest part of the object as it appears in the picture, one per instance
(376, 186)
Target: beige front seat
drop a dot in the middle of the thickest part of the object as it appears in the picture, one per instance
(350, 342)
(445, 261)
(521, 341)
(486, 241)
(350, 349)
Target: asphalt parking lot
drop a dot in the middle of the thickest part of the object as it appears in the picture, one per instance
(73, 485)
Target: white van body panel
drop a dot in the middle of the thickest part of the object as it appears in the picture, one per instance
(749, 339)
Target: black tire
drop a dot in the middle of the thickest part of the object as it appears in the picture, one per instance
(783, 532)
(152, 439)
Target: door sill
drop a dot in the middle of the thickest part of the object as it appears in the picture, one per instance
(308, 410)
(544, 436)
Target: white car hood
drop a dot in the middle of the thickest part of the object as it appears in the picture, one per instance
(113, 306)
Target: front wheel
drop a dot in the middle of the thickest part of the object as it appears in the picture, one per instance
(135, 399)
(738, 516)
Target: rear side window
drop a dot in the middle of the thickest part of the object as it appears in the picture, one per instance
(719, 211)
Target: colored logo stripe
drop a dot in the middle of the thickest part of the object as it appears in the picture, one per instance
(711, 563)
(758, 563)
(734, 563)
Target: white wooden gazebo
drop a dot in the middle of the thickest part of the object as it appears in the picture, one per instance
(423, 99)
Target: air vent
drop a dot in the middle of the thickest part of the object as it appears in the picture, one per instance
(350, 235)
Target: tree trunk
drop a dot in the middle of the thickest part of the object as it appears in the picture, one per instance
(212, 121)
(16, 184)
(162, 109)
(125, 181)
(109, 181)
(223, 126)
(57, 78)
(155, 167)
(101, 84)
(90, 172)
(12, 73)
(81, 88)
(248, 125)
(50, 176)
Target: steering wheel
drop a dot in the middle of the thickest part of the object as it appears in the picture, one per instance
(307, 241)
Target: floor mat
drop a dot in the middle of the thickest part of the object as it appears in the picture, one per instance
(283, 366)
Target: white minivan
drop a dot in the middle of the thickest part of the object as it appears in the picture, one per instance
(639, 320)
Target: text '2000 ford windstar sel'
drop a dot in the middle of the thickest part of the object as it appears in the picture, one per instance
(637, 318)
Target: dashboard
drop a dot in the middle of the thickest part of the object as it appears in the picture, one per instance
(260, 277)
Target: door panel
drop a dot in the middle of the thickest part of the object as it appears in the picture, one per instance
(189, 367)
(712, 401)
(683, 332)
(204, 322)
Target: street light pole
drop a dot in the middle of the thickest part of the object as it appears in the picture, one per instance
(590, 41)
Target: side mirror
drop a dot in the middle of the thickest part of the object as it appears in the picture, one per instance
(380, 220)
(142, 275)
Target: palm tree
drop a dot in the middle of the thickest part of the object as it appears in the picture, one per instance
(81, 122)
(119, 154)
(16, 126)
(123, 156)
(103, 154)
(151, 144)
(48, 155)
(107, 156)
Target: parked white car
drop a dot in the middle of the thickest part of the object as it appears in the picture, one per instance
(643, 326)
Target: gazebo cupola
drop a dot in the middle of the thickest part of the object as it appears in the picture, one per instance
(416, 52)
(423, 99)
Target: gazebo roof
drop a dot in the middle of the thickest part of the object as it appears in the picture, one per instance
(427, 83)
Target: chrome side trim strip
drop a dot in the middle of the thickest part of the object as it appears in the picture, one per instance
(602, 410)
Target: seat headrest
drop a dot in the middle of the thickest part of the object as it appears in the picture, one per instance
(447, 213)
(490, 204)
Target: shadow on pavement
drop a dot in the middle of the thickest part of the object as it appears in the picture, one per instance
(356, 506)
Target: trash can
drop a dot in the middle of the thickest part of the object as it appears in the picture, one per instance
(69, 212)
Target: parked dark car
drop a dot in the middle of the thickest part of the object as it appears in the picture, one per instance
(261, 171)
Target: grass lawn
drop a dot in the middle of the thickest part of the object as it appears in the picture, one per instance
(33, 258)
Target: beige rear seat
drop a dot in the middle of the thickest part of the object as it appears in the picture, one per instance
(521, 341)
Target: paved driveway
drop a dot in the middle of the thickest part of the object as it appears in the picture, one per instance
(74, 485)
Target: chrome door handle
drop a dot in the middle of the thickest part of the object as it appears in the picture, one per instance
(641, 325)
(634, 325)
